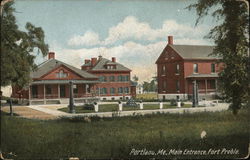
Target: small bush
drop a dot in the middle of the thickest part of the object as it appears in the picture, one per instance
(182, 103)
(88, 106)
(173, 102)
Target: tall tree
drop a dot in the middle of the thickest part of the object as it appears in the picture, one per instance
(232, 45)
(17, 47)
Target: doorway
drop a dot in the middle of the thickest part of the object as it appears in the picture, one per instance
(62, 91)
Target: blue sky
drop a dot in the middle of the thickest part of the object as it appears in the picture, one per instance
(134, 31)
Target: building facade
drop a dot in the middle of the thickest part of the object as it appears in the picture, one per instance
(179, 66)
(102, 79)
(114, 78)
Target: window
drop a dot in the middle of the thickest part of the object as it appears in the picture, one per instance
(195, 68)
(212, 68)
(177, 69)
(75, 89)
(61, 74)
(120, 78)
(164, 85)
(112, 78)
(103, 78)
(126, 78)
(163, 70)
(87, 88)
(126, 90)
(120, 90)
(177, 85)
(34, 90)
(103, 91)
(212, 84)
(48, 89)
(112, 90)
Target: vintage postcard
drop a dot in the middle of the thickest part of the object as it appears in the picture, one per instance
(124, 79)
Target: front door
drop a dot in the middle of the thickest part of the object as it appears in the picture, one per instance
(62, 91)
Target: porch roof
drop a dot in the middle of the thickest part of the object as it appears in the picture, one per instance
(63, 82)
(212, 75)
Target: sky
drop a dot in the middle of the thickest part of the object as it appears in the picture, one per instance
(133, 31)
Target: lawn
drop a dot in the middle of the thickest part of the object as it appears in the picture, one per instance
(117, 137)
(114, 107)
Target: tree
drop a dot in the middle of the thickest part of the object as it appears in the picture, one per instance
(17, 47)
(232, 41)
(135, 78)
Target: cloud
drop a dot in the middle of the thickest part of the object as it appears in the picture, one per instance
(132, 29)
(88, 39)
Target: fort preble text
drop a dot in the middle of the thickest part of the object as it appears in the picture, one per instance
(184, 152)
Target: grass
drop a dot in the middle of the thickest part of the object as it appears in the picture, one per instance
(114, 107)
(116, 137)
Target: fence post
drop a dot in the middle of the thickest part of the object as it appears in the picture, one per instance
(141, 105)
(96, 106)
(161, 105)
(120, 105)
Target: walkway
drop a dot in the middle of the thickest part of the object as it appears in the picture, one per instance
(53, 111)
(50, 111)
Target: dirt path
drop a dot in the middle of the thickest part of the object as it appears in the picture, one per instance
(28, 113)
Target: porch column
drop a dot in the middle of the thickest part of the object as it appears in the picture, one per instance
(216, 86)
(58, 87)
(206, 86)
(44, 93)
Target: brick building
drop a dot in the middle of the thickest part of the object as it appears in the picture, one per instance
(114, 78)
(97, 79)
(178, 66)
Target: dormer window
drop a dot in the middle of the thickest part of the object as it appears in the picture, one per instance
(108, 66)
(61, 74)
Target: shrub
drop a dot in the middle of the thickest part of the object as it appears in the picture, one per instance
(182, 103)
(173, 102)
(88, 106)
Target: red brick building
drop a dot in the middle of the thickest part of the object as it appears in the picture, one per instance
(179, 66)
(114, 78)
(50, 82)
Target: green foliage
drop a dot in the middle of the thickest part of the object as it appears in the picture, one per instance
(17, 48)
(173, 102)
(149, 86)
(116, 137)
(231, 37)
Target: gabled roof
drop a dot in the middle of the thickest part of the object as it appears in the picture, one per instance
(51, 64)
(100, 65)
(194, 51)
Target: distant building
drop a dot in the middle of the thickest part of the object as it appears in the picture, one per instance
(114, 78)
(139, 89)
(179, 66)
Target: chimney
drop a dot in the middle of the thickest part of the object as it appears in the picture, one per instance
(51, 55)
(87, 61)
(93, 61)
(170, 39)
(99, 57)
(113, 59)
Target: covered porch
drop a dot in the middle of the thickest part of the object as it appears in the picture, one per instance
(207, 84)
(58, 91)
